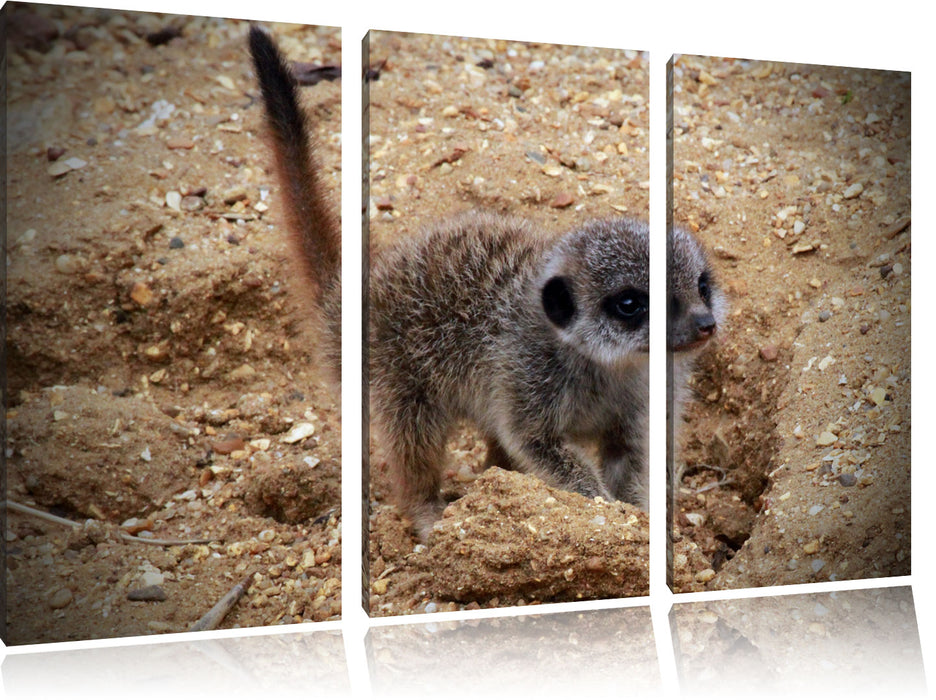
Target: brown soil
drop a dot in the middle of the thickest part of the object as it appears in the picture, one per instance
(154, 354)
(556, 134)
(798, 178)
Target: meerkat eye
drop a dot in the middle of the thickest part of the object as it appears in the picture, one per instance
(630, 306)
(627, 307)
(705, 290)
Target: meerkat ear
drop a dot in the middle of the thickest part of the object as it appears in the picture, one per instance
(558, 302)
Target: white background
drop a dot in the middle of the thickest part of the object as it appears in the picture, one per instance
(893, 35)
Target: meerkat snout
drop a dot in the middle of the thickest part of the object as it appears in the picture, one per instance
(696, 306)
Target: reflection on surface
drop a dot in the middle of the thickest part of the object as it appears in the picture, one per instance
(850, 641)
(575, 652)
(862, 643)
(298, 665)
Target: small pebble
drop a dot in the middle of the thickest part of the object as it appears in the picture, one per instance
(697, 519)
(141, 293)
(151, 593)
(61, 598)
(180, 143)
(174, 200)
(245, 371)
(192, 203)
(769, 353)
(562, 200)
(595, 564)
(848, 479)
(67, 264)
(299, 432)
(60, 167)
(175, 243)
(853, 191)
(236, 194)
(228, 445)
(824, 316)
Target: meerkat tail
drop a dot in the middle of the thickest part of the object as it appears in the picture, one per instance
(309, 215)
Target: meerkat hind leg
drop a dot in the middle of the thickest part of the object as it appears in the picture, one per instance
(415, 452)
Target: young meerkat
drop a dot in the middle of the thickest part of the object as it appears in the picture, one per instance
(540, 340)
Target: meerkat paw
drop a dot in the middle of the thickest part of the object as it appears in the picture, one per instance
(424, 517)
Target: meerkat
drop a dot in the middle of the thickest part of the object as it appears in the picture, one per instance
(540, 340)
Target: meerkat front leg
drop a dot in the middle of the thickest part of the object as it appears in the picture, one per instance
(624, 462)
(560, 465)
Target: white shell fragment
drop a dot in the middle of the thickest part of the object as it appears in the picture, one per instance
(299, 432)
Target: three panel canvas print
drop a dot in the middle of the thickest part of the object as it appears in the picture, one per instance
(173, 313)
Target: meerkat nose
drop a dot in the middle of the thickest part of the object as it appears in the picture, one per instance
(705, 325)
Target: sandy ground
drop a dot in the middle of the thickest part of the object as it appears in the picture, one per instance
(156, 366)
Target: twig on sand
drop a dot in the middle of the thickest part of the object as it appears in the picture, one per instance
(213, 617)
(36, 513)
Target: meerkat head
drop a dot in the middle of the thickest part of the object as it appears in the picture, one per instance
(595, 291)
(696, 305)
